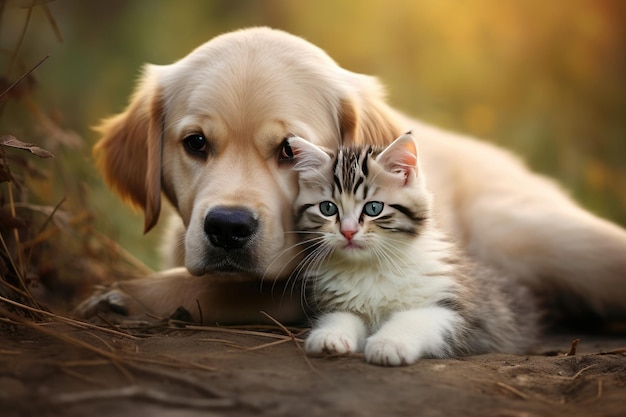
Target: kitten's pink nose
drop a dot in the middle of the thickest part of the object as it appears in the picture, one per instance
(349, 227)
(348, 233)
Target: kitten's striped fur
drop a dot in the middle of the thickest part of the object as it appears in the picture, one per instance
(381, 276)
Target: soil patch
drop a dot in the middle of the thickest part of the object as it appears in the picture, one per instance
(263, 371)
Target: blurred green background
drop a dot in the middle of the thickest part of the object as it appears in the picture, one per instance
(545, 79)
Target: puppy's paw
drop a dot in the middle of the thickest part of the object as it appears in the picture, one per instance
(330, 341)
(390, 351)
(114, 305)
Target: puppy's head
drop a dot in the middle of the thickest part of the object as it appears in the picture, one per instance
(209, 131)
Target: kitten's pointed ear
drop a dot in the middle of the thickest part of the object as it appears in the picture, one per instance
(307, 155)
(401, 157)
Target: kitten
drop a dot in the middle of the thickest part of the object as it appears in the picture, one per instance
(381, 275)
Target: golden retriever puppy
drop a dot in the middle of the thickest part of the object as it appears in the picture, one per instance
(208, 132)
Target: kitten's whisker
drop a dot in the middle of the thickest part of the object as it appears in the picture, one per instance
(280, 254)
(309, 298)
(395, 248)
(382, 258)
(304, 232)
(321, 254)
(308, 243)
(310, 265)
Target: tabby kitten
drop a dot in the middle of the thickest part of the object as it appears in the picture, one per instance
(381, 276)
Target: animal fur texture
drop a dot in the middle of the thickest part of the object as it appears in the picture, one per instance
(384, 279)
(206, 134)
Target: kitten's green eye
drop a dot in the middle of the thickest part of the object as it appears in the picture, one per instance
(328, 208)
(373, 208)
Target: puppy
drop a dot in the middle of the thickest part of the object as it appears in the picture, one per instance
(208, 133)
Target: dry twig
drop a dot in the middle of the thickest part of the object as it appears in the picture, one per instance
(572, 350)
(579, 373)
(143, 393)
(512, 390)
(67, 320)
(295, 341)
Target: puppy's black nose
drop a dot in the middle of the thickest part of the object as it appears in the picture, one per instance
(230, 227)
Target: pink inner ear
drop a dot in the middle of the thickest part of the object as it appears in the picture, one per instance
(409, 163)
(400, 157)
(407, 159)
(406, 153)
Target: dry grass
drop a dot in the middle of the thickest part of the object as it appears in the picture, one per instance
(48, 250)
(104, 347)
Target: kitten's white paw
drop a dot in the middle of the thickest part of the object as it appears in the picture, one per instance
(390, 351)
(337, 332)
(330, 341)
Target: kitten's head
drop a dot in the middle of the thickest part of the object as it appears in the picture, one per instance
(360, 202)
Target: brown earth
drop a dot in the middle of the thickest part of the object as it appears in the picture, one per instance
(61, 370)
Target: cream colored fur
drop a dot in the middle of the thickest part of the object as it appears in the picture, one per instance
(248, 90)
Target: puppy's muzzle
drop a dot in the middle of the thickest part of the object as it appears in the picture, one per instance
(230, 227)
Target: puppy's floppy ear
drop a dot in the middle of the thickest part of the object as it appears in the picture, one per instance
(129, 151)
(364, 116)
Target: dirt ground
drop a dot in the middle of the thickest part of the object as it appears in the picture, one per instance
(61, 370)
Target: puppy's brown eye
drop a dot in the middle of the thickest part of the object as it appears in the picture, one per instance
(286, 153)
(196, 145)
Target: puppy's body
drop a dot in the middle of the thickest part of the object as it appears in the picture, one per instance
(213, 125)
